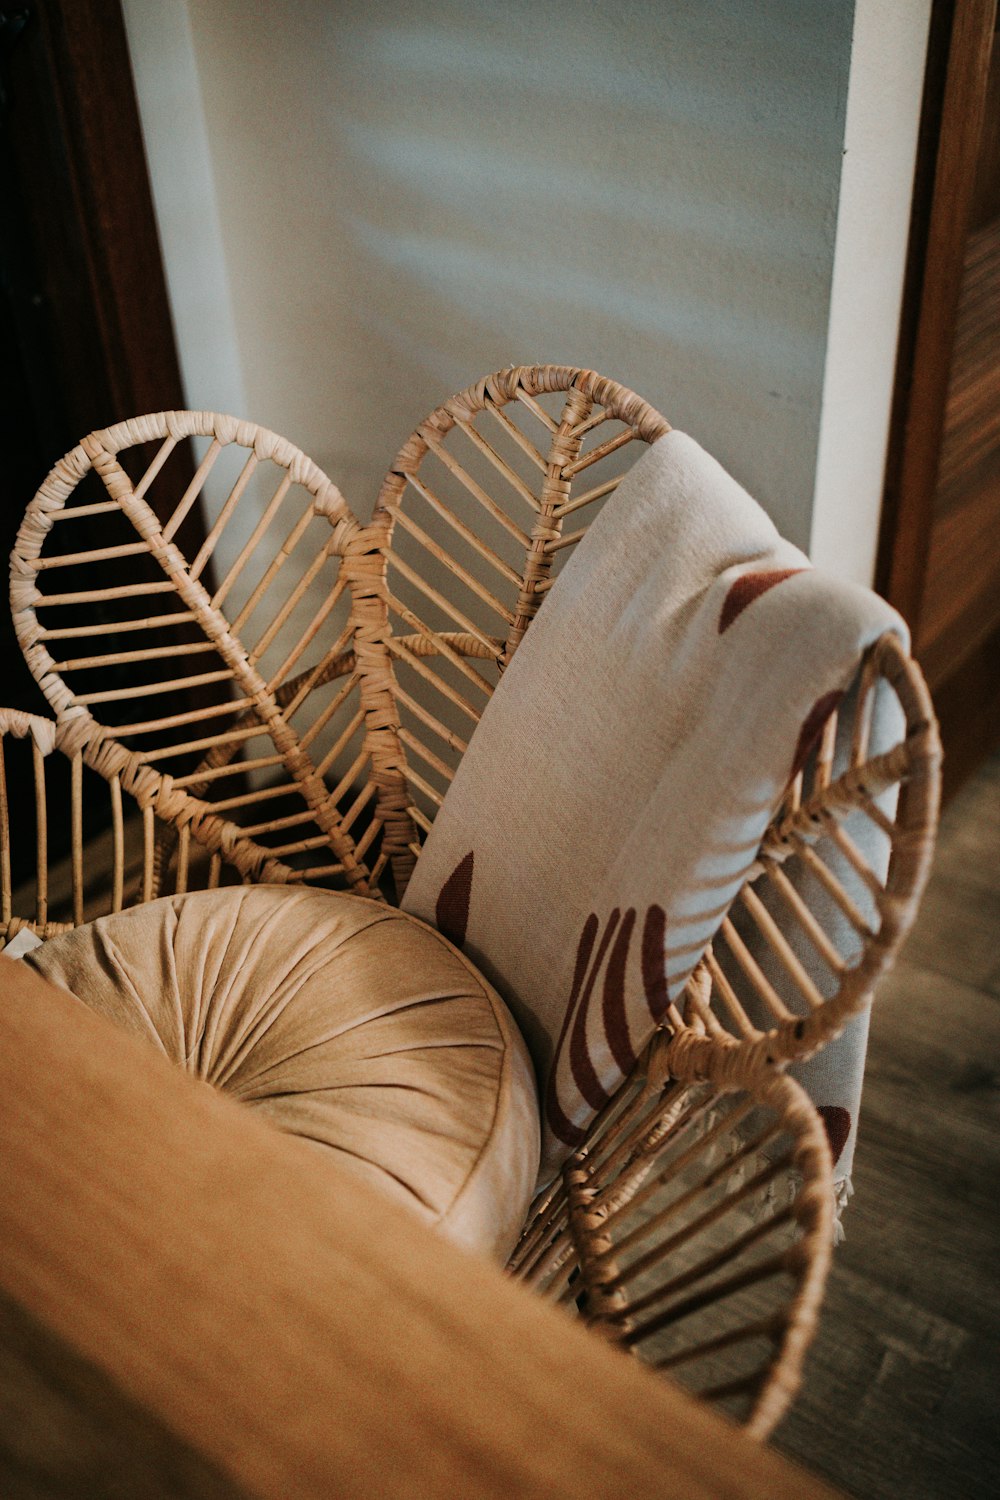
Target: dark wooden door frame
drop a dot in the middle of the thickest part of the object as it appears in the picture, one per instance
(84, 178)
(88, 335)
(953, 107)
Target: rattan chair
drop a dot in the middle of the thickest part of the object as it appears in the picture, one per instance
(340, 670)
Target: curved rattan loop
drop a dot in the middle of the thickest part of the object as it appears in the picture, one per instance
(556, 457)
(694, 1227)
(183, 808)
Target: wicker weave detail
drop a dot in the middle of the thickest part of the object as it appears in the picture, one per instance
(692, 1222)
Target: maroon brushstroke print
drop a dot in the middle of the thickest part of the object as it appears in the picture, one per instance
(451, 912)
(613, 1009)
(812, 729)
(616, 936)
(837, 1124)
(747, 588)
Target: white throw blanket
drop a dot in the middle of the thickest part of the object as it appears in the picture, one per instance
(618, 786)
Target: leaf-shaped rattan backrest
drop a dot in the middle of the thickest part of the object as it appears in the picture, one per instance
(483, 502)
(480, 508)
(239, 769)
(694, 1227)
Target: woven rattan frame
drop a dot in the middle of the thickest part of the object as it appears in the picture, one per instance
(638, 1260)
(440, 589)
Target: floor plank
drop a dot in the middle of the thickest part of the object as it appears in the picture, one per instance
(900, 1398)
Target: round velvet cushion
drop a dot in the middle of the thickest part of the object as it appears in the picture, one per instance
(341, 1021)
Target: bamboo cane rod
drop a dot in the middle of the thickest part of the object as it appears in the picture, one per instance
(475, 541)
(874, 813)
(232, 500)
(76, 835)
(76, 512)
(349, 777)
(419, 748)
(41, 835)
(422, 823)
(322, 719)
(343, 739)
(214, 872)
(156, 466)
(117, 845)
(423, 786)
(239, 768)
(148, 622)
(722, 987)
(759, 983)
(726, 1389)
(375, 825)
(544, 1226)
(122, 658)
(597, 493)
(315, 872)
(193, 490)
(830, 882)
(99, 596)
(445, 558)
(596, 419)
(516, 435)
(95, 554)
(428, 719)
(451, 463)
(284, 552)
(357, 807)
(301, 846)
(861, 727)
(558, 544)
(550, 1240)
(267, 516)
(539, 411)
(516, 483)
(447, 608)
(663, 1249)
(727, 1122)
(336, 663)
(856, 860)
(780, 947)
(148, 841)
(207, 742)
(190, 716)
(807, 921)
(586, 460)
(289, 604)
(276, 825)
(154, 689)
(635, 1131)
(713, 1262)
(396, 648)
(259, 794)
(301, 686)
(183, 858)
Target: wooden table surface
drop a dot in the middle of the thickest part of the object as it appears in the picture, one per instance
(192, 1304)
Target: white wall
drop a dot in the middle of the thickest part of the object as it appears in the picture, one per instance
(883, 116)
(394, 199)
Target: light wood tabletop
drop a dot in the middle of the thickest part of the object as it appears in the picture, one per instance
(192, 1304)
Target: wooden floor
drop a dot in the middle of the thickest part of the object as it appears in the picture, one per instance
(902, 1393)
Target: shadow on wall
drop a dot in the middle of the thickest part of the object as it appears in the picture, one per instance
(413, 195)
